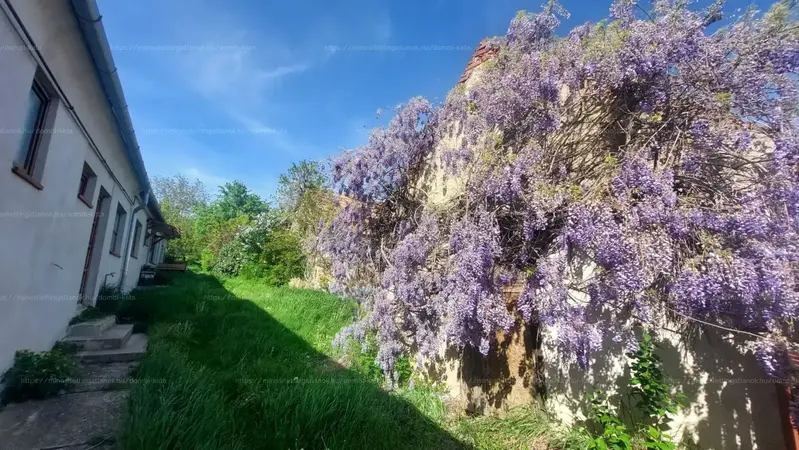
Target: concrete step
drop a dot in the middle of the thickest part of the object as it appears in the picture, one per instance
(92, 328)
(133, 350)
(114, 337)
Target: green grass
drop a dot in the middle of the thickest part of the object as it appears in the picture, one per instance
(236, 365)
(525, 427)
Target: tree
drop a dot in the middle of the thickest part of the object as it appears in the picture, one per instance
(181, 201)
(300, 178)
(184, 197)
(235, 200)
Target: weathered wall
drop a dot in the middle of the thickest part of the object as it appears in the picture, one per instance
(45, 233)
(730, 404)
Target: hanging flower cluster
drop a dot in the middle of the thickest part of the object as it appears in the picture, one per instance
(652, 157)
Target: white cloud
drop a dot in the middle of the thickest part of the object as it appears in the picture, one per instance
(212, 182)
(234, 77)
(255, 126)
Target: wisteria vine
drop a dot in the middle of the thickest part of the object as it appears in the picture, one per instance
(642, 165)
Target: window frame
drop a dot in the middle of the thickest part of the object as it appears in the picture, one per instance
(134, 252)
(118, 234)
(29, 161)
(87, 184)
(29, 165)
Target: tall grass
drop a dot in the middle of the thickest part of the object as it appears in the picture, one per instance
(527, 427)
(246, 366)
(237, 365)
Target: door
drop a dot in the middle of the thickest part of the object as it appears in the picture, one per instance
(97, 213)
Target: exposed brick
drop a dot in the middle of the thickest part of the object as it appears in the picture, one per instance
(481, 54)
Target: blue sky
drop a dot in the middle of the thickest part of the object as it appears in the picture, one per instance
(239, 89)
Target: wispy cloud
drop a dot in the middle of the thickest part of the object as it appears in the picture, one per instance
(255, 126)
(235, 78)
(241, 80)
(213, 182)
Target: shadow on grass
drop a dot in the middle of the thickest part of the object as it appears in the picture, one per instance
(233, 377)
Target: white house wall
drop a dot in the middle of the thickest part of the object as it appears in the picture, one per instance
(44, 234)
(730, 404)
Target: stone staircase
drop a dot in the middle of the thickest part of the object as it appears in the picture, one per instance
(104, 341)
(86, 416)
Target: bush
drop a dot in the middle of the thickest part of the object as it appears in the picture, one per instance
(232, 258)
(363, 359)
(109, 298)
(654, 402)
(282, 258)
(207, 260)
(253, 271)
(38, 375)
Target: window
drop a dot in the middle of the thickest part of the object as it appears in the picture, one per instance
(38, 119)
(119, 230)
(136, 232)
(86, 186)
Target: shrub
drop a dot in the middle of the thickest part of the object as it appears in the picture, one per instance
(653, 394)
(207, 260)
(363, 359)
(253, 271)
(38, 375)
(654, 402)
(232, 258)
(612, 433)
(282, 258)
(109, 298)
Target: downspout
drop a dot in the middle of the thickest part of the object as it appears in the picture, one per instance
(129, 243)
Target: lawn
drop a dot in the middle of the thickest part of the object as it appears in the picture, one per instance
(234, 364)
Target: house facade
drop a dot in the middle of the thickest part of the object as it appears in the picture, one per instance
(76, 207)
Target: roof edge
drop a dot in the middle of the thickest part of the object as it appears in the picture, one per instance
(90, 23)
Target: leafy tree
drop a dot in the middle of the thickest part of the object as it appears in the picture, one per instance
(235, 200)
(300, 178)
(182, 200)
(280, 260)
(183, 197)
(223, 233)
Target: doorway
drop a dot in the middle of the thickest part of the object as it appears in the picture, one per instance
(94, 250)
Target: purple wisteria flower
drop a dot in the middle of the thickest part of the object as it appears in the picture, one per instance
(640, 167)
